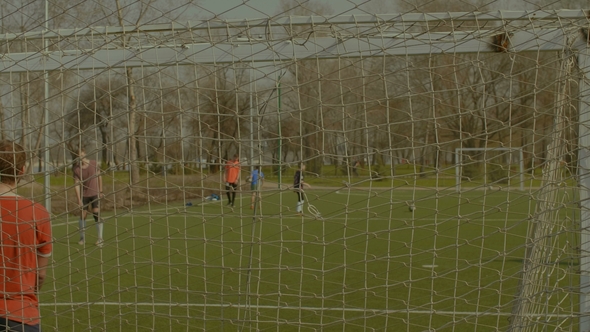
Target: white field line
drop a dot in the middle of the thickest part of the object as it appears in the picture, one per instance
(290, 217)
(236, 306)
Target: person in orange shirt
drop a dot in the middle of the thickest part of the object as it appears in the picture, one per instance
(25, 246)
(232, 176)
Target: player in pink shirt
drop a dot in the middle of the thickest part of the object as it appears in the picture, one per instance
(88, 185)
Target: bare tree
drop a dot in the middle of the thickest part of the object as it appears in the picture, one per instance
(92, 119)
(223, 104)
(27, 90)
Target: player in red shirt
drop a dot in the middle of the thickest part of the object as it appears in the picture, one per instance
(232, 176)
(25, 246)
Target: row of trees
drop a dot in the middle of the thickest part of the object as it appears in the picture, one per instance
(417, 108)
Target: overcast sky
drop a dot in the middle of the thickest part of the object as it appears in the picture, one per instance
(236, 8)
(264, 8)
(260, 8)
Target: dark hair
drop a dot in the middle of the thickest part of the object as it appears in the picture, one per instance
(12, 160)
(77, 157)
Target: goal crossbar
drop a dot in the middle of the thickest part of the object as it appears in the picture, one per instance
(392, 21)
(404, 44)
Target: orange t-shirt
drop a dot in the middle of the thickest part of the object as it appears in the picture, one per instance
(25, 233)
(232, 171)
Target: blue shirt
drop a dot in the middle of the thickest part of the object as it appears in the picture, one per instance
(256, 174)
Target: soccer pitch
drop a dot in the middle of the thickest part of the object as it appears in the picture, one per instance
(367, 263)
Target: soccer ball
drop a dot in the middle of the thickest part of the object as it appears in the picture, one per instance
(412, 207)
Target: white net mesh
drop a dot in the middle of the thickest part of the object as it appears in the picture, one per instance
(444, 157)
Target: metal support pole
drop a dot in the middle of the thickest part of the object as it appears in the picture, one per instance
(251, 123)
(584, 185)
(280, 152)
(46, 156)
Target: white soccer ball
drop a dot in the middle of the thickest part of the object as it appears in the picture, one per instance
(412, 208)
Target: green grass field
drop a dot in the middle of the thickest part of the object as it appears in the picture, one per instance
(368, 263)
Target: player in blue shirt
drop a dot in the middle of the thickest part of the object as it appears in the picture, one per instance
(256, 180)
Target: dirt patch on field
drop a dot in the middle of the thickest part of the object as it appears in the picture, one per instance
(122, 195)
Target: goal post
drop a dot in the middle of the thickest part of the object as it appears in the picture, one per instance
(584, 187)
(504, 168)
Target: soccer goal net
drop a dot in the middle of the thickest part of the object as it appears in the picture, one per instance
(294, 165)
(491, 166)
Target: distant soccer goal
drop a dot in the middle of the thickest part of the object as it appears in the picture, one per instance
(309, 170)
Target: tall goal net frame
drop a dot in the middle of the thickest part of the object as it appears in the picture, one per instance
(340, 38)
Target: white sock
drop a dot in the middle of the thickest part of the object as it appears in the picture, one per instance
(299, 206)
(81, 227)
(99, 228)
